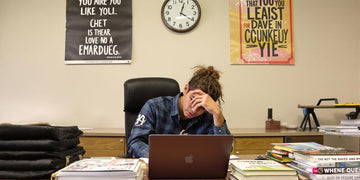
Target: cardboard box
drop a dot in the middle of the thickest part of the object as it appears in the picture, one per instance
(272, 125)
(349, 142)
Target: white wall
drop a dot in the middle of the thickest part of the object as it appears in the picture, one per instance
(35, 85)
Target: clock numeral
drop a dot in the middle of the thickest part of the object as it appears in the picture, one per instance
(180, 26)
(187, 23)
(192, 6)
(174, 23)
(169, 19)
(174, 1)
(167, 12)
(169, 7)
(194, 13)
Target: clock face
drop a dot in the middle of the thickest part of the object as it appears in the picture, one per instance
(180, 15)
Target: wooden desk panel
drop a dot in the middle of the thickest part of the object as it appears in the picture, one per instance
(111, 141)
(318, 139)
(254, 145)
(103, 146)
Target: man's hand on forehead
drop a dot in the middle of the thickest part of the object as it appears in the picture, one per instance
(196, 92)
(199, 99)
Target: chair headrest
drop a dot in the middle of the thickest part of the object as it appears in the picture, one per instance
(138, 90)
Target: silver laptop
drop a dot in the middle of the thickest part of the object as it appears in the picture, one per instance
(189, 156)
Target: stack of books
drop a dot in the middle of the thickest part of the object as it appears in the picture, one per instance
(279, 154)
(327, 164)
(101, 169)
(283, 152)
(260, 170)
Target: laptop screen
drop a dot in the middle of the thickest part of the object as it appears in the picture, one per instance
(189, 156)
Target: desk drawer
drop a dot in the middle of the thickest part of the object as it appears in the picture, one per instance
(103, 146)
(293, 139)
(254, 145)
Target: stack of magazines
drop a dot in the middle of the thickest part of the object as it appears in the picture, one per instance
(340, 129)
(350, 122)
(101, 169)
(327, 164)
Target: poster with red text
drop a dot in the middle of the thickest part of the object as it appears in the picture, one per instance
(261, 32)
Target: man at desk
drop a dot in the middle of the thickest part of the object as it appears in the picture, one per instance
(193, 111)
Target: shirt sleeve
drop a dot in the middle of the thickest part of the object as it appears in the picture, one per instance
(221, 129)
(137, 144)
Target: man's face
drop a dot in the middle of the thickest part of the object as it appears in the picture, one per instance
(188, 105)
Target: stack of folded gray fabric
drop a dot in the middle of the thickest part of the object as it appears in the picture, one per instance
(28, 151)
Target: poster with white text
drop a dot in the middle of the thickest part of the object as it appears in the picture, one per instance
(98, 31)
(261, 32)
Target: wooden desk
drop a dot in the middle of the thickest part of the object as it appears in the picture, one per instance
(111, 141)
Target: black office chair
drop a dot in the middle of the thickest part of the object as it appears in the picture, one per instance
(138, 90)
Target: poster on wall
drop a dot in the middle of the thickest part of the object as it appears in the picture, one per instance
(98, 31)
(261, 32)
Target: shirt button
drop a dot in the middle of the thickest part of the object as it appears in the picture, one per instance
(219, 130)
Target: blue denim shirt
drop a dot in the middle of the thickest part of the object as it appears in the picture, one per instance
(161, 116)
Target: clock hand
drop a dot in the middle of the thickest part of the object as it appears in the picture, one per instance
(182, 8)
(187, 16)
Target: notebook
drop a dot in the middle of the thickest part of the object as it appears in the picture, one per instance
(189, 156)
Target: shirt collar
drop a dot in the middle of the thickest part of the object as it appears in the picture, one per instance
(175, 105)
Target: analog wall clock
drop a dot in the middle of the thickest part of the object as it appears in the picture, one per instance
(180, 15)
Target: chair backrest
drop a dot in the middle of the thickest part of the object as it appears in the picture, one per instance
(138, 90)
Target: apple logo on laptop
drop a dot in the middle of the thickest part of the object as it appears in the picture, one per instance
(189, 159)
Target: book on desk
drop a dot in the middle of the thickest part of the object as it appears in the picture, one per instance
(101, 168)
(327, 164)
(284, 152)
(336, 155)
(260, 169)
